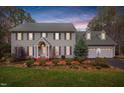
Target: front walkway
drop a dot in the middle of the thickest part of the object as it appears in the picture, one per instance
(116, 63)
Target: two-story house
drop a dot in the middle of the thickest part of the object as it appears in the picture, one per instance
(56, 39)
(43, 40)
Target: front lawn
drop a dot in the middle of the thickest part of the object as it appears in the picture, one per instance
(12, 76)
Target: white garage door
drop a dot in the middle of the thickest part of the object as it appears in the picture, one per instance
(100, 52)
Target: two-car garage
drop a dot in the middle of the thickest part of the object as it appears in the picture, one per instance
(101, 51)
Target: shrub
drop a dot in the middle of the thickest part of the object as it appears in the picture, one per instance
(42, 62)
(62, 57)
(68, 61)
(75, 63)
(81, 49)
(62, 62)
(98, 67)
(30, 62)
(100, 62)
(49, 63)
(80, 59)
(55, 61)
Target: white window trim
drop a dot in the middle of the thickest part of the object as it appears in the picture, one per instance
(30, 36)
(68, 36)
(19, 36)
(57, 36)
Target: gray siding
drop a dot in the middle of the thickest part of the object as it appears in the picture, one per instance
(24, 43)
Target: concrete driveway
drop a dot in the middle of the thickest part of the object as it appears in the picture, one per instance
(116, 63)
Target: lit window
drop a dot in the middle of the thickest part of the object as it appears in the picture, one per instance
(30, 51)
(19, 36)
(68, 36)
(103, 36)
(57, 36)
(56, 50)
(30, 36)
(68, 52)
(44, 35)
(88, 36)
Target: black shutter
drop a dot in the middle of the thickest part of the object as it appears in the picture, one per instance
(27, 36)
(70, 36)
(27, 50)
(59, 36)
(59, 50)
(15, 51)
(22, 37)
(70, 50)
(33, 36)
(53, 51)
(33, 50)
(65, 36)
(46, 35)
(54, 36)
(41, 34)
(65, 50)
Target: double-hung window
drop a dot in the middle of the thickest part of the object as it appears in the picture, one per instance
(30, 36)
(68, 36)
(57, 36)
(57, 50)
(44, 35)
(19, 36)
(68, 50)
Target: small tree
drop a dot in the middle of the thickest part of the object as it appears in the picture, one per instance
(81, 49)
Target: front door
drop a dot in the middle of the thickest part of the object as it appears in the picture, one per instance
(42, 50)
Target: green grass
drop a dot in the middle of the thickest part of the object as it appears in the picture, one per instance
(26, 77)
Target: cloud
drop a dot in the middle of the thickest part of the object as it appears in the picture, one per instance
(76, 15)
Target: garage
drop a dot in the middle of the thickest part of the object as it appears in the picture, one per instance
(103, 52)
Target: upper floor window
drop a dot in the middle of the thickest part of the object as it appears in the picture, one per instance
(30, 36)
(44, 35)
(88, 36)
(68, 36)
(103, 37)
(57, 36)
(19, 36)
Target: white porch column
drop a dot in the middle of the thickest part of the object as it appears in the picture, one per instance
(34, 51)
(48, 51)
(37, 51)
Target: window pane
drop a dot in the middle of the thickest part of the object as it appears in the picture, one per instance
(19, 36)
(57, 36)
(57, 50)
(68, 36)
(103, 36)
(30, 50)
(67, 50)
(30, 36)
(88, 36)
(44, 35)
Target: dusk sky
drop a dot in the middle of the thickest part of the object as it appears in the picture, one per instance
(79, 16)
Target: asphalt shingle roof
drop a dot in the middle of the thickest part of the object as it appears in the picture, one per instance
(55, 27)
(95, 38)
